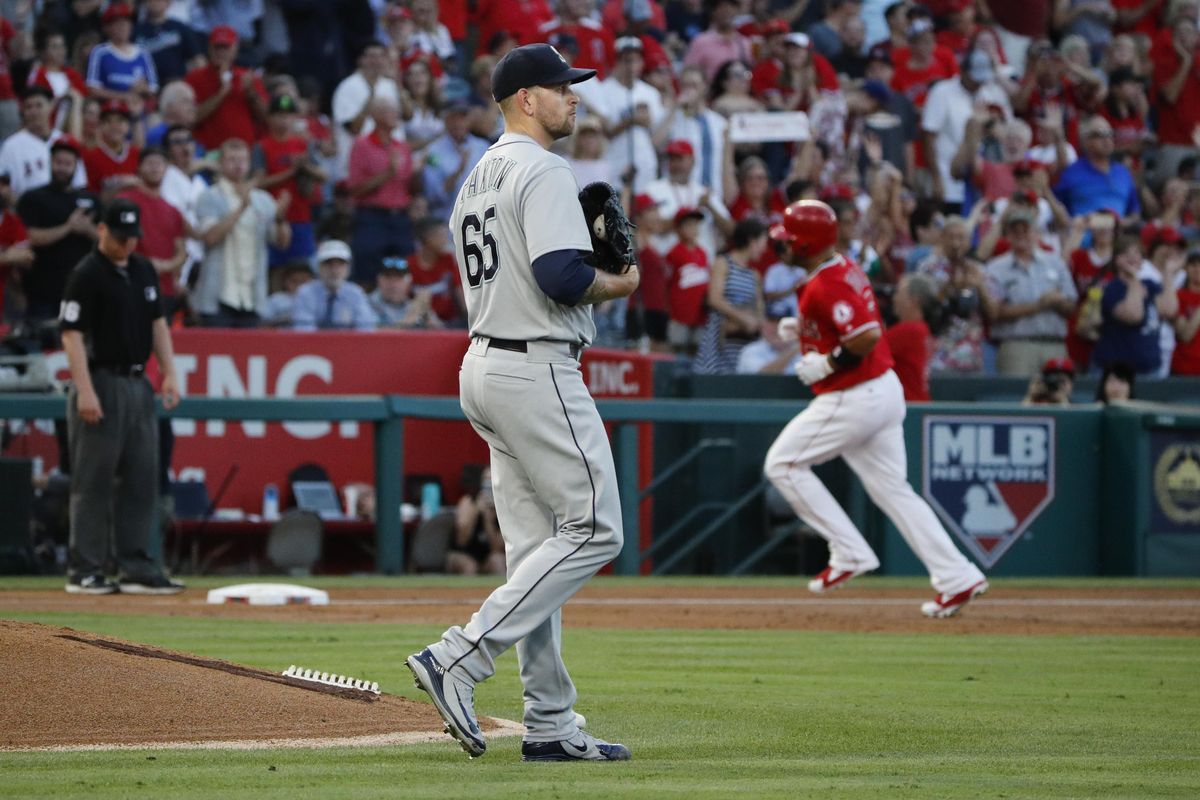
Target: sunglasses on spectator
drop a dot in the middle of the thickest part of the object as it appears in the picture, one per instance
(177, 140)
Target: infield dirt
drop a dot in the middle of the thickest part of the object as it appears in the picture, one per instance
(1116, 611)
(65, 688)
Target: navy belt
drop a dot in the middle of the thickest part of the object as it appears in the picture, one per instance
(521, 346)
(120, 370)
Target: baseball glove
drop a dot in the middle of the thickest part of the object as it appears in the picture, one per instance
(611, 230)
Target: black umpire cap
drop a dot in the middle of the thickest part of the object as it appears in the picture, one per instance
(533, 65)
(123, 218)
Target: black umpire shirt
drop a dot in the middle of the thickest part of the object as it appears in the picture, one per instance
(47, 207)
(114, 307)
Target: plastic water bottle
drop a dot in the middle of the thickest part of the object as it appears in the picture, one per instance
(270, 508)
(431, 500)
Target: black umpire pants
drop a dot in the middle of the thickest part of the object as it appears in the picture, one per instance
(114, 478)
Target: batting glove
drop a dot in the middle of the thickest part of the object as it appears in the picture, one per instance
(813, 367)
(787, 328)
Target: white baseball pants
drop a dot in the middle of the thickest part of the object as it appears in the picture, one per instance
(863, 425)
(556, 500)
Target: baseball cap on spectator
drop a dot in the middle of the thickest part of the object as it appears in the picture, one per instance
(881, 53)
(680, 147)
(458, 105)
(656, 60)
(687, 212)
(283, 104)
(799, 39)
(533, 65)
(954, 6)
(67, 142)
(877, 90)
(1155, 233)
(836, 191)
(123, 218)
(1026, 166)
(397, 265)
(223, 35)
(644, 202)
(919, 26)
(396, 12)
(115, 107)
(331, 249)
(116, 11)
(774, 27)
(1064, 365)
(629, 43)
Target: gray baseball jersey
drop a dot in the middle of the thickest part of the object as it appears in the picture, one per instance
(520, 202)
(553, 475)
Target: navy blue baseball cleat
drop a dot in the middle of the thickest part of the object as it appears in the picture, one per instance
(453, 698)
(584, 747)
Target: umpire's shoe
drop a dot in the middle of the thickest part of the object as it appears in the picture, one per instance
(453, 698)
(158, 584)
(90, 584)
(584, 747)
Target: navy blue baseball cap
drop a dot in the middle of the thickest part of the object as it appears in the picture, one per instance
(533, 65)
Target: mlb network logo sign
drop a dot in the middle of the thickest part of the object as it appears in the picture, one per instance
(988, 478)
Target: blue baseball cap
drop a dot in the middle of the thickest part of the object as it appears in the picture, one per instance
(533, 65)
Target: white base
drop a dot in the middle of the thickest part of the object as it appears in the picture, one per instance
(268, 594)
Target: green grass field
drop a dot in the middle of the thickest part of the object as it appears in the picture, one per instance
(708, 714)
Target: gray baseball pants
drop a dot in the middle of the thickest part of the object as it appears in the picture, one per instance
(556, 500)
(114, 478)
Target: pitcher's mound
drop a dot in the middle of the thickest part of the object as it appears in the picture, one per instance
(69, 690)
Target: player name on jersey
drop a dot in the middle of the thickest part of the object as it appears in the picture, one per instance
(488, 176)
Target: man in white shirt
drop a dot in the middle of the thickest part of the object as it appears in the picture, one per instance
(631, 109)
(181, 187)
(948, 108)
(25, 156)
(705, 129)
(679, 190)
(352, 100)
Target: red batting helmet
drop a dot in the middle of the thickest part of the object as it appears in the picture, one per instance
(809, 227)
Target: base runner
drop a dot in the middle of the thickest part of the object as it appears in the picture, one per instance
(858, 414)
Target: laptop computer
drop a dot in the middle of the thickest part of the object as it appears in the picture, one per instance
(319, 497)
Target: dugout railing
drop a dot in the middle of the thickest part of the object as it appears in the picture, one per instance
(1124, 494)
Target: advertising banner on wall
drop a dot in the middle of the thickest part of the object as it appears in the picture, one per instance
(988, 478)
(267, 363)
(1175, 473)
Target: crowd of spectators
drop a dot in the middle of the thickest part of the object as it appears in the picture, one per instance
(1019, 180)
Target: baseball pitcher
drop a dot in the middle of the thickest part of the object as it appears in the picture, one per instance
(534, 254)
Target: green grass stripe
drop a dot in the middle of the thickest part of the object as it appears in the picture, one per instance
(710, 714)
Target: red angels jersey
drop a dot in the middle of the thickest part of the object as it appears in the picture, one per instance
(102, 164)
(837, 304)
(688, 286)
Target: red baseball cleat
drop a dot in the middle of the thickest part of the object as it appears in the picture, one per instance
(947, 605)
(832, 578)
